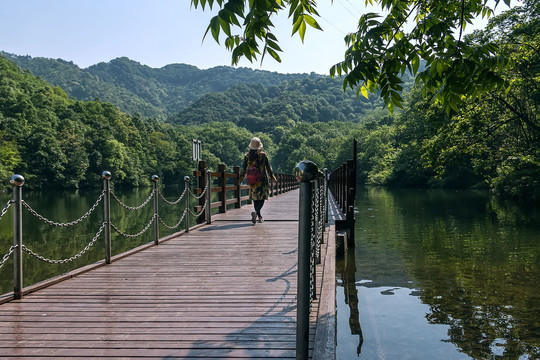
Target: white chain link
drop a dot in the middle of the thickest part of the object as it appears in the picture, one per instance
(5, 209)
(71, 223)
(74, 257)
(10, 251)
(134, 235)
(177, 224)
(133, 207)
(172, 202)
(201, 195)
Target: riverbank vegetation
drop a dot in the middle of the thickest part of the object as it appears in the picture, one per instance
(62, 135)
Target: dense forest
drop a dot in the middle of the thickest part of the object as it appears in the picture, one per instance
(61, 125)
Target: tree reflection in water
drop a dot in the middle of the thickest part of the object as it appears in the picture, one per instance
(473, 262)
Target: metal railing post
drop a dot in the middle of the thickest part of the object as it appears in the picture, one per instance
(306, 171)
(186, 180)
(155, 180)
(17, 181)
(304, 253)
(209, 197)
(106, 176)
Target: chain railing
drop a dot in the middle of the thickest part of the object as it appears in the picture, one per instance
(202, 196)
(312, 210)
(105, 196)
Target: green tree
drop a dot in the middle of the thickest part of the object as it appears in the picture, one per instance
(381, 50)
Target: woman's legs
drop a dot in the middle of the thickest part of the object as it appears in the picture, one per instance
(258, 204)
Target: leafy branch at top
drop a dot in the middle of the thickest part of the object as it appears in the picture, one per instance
(253, 18)
(380, 52)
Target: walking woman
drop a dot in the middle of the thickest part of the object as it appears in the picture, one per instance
(256, 168)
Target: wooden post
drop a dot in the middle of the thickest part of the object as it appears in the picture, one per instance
(238, 185)
(223, 186)
(209, 197)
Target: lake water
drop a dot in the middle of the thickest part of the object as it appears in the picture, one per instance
(440, 274)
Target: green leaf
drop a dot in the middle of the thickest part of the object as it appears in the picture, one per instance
(391, 108)
(311, 22)
(302, 30)
(273, 54)
(415, 64)
(364, 91)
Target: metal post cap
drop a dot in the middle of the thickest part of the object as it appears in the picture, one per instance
(17, 180)
(155, 178)
(106, 175)
(306, 170)
(186, 178)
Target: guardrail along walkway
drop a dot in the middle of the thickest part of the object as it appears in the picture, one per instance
(223, 290)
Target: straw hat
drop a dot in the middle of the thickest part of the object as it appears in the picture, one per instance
(255, 144)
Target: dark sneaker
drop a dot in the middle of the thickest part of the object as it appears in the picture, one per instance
(253, 217)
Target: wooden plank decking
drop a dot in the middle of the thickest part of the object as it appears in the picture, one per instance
(224, 290)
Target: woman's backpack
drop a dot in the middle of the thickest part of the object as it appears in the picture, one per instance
(253, 175)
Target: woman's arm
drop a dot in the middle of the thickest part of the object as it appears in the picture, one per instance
(269, 168)
(244, 167)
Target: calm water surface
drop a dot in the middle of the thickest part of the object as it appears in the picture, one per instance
(440, 275)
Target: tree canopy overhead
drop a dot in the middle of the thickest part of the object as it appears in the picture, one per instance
(382, 48)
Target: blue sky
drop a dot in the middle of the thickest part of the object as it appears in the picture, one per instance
(161, 32)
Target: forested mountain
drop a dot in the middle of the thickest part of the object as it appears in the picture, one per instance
(55, 140)
(140, 89)
(261, 108)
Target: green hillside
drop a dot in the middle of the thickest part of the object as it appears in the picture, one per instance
(140, 89)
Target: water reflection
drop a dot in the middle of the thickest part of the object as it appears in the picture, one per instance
(441, 275)
(346, 270)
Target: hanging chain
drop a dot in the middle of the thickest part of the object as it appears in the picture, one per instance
(177, 224)
(133, 207)
(172, 202)
(74, 257)
(200, 213)
(54, 223)
(197, 197)
(10, 251)
(5, 209)
(134, 235)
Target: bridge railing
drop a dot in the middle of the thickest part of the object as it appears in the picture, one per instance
(312, 211)
(155, 200)
(230, 192)
(342, 185)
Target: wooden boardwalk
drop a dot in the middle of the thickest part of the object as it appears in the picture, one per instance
(224, 290)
